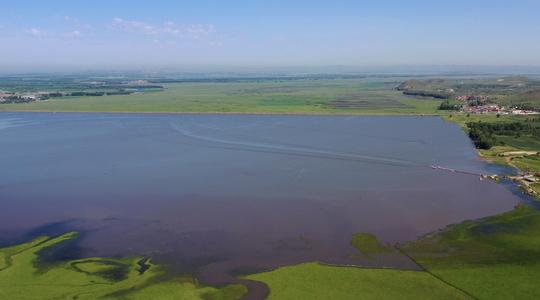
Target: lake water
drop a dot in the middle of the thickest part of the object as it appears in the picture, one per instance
(237, 193)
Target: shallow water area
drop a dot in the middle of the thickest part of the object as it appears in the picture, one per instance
(237, 193)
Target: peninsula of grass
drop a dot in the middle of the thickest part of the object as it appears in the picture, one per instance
(22, 276)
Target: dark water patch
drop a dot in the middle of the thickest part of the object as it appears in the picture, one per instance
(117, 273)
(144, 265)
(63, 251)
(52, 230)
(493, 229)
(364, 101)
(534, 204)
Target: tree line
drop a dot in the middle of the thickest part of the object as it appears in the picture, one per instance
(21, 99)
(484, 134)
(438, 95)
(445, 105)
(17, 99)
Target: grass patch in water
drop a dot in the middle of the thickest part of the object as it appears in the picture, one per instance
(368, 243)
(21, 277)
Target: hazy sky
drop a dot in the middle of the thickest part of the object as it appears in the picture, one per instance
(230, 33)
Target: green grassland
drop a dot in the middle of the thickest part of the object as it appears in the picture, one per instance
(317, 281)
(524, 163)
(66, 84)
(299, 96)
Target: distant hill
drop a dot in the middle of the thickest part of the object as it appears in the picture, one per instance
(516, 90)
(429, 84)
(516, 81)
(529, 99)
(441, 84)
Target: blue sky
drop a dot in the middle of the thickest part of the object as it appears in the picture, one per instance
(229, 34)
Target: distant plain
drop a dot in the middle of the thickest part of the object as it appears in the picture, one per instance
(370, 95)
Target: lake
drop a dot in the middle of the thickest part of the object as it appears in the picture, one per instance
(224, 194)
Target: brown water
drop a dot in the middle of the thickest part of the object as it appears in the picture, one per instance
(215, 195)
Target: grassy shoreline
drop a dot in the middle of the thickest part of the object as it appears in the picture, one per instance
(513, 155)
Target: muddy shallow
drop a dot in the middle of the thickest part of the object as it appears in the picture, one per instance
(219, 194)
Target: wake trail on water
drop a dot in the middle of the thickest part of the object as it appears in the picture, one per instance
(15, 122)
(251, 144)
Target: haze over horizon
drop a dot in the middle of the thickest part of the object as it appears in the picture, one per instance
(278, 34)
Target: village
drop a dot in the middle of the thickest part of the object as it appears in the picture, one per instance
(482, 104)
(489, 107)
(495, 109)
(27, 97)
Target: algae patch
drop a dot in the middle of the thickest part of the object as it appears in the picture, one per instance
(22, 277)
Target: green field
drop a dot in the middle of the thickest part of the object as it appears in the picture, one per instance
(316, 281)
(301, 96)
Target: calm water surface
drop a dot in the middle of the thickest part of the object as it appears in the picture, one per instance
(236, 193)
